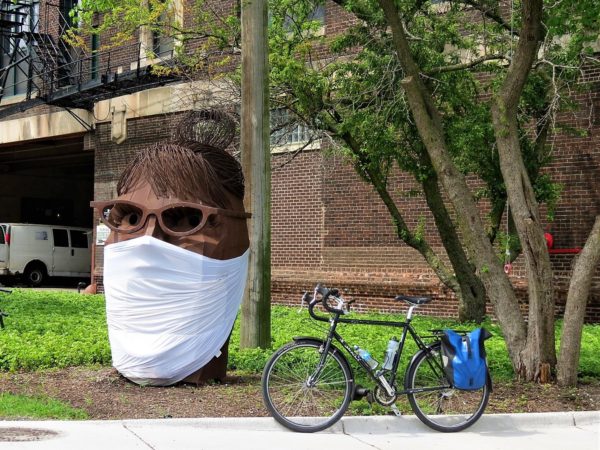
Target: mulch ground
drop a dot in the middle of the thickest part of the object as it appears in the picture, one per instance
(104, 394)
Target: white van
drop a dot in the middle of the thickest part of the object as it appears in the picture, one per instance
(38, 251)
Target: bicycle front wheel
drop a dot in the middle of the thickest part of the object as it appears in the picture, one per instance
(438, 405)
(299, 395)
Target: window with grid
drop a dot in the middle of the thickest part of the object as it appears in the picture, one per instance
(286, 130)
(14, 50)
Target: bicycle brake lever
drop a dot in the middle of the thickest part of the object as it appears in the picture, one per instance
(348, 303)
(306, 298)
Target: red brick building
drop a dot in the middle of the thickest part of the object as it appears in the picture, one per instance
(327, 225)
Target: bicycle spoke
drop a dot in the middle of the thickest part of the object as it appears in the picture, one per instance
(292, 400)
(444, 408)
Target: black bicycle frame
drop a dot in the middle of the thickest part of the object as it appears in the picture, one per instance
(333, 334)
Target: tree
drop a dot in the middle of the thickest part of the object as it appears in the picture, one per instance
(570, 343)
(531, 343)
(416, 68)
(347, 96)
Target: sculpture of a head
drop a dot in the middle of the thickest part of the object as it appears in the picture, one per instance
(171, 174)
(189, 195)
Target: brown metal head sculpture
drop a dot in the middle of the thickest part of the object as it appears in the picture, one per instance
(188, 194)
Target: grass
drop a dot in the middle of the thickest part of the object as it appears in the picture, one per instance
(20, 406)
(48, 329)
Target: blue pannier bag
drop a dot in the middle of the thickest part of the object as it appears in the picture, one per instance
(463, 356)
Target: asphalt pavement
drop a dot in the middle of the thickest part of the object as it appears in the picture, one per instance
(547, 431)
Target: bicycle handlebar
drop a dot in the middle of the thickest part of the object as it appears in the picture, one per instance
(342, 307)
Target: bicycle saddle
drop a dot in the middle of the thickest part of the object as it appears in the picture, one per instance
(413, 300)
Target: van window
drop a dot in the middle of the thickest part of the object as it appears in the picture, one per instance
(2, 241)
(79, 239)
(61, 239)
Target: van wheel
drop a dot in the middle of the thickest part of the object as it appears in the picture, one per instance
(35, 275)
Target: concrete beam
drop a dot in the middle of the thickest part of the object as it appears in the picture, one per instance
(43, 126)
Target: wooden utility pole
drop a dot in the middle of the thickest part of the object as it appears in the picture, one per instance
(256, 163)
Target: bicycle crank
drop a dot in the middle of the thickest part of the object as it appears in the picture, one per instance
(383, 398)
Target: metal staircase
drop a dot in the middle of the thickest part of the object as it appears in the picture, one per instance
(37, 63)
(49, 56)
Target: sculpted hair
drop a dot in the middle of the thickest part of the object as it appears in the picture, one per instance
(188, 170)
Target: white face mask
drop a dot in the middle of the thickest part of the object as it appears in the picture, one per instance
(169, 310)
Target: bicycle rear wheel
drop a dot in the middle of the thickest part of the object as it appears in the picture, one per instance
(440, 406)
(296, 401)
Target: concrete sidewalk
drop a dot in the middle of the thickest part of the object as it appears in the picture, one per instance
(547, 431)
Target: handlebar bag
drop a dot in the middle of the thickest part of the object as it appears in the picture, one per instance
(464, 358)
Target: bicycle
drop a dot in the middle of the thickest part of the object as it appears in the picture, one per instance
(308, 384)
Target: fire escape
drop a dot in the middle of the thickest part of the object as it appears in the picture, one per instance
(39, 65)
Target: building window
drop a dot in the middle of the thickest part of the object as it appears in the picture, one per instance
(65, 19)
(162, 46)
(286, 130)
(292, 19)
(95, 61)
(157, 45)
(317, 14)
(17, 18)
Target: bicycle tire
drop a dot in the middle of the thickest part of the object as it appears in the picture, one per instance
(445, 409)
(294, 404)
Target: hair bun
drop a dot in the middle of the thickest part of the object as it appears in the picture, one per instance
(208, 127)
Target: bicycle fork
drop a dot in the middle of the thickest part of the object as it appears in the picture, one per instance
(324, 350)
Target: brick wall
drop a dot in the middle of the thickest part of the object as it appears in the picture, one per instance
(348, 240)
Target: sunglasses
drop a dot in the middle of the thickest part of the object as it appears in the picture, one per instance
(176, 219)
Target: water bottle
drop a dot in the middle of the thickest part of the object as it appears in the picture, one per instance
(366, 357)
(390, 352)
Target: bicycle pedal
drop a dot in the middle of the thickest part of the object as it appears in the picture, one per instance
(396, 411)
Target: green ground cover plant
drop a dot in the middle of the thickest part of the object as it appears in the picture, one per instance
(288, 322)
(19, 406)
(51, 329)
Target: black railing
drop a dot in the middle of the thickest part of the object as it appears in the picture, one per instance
(42, 64)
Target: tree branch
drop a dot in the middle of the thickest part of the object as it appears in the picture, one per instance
(491, 14)
(362, 15)
(467, 65)
(403, 232)
(524, 55)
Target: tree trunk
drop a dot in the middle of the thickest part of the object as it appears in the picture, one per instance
(255, 330)
(480, 250)
(471, 297)
(579, 290)
(538, 357)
